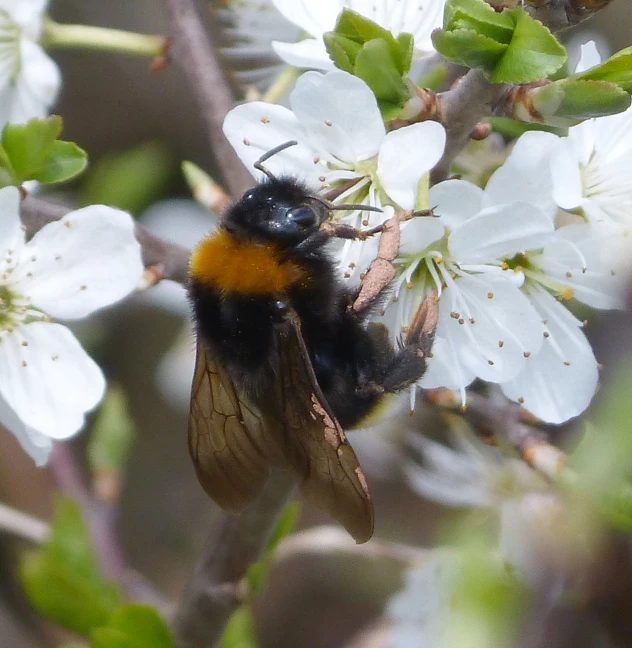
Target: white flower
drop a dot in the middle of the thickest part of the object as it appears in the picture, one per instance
(472, 474)
(249, 26)
(29, 79)
(584, 261)
(503, 242)
(591, 166)
(487, 326)
(469, 473)
(417, 17)
(341, 137)
(69, 269)
(420, 612)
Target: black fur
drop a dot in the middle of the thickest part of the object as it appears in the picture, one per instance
(354, 364)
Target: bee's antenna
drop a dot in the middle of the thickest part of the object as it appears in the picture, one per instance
(351, 206)
(268, 154)
(345, 207)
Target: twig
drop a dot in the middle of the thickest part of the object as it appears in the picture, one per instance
(192, 48)
(23, 525)
(326, 540)
(235, 543)
(100, 518)
(170, 260)
(460, 109)
(507, 421)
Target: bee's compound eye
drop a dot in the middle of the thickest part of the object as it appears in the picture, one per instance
(303, 216)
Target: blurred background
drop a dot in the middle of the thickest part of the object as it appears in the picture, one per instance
(137, 127)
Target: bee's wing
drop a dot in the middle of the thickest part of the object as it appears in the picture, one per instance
(313, 442)
(225, 437)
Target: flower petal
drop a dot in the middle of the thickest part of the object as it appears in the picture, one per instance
(26, 13)
(405, 156)
(36, 445)
(11, 232)
(445, 369)
(257, 127)
(340, 113)
(85, 261)
(314, 17)
(419, 233)
(455, 201)
(500, 232)
(590, 258)
(309, 53)
(491, 324)
(589, 56)
(559, 382)
(566, 173)
(47, 379)
(526, 174)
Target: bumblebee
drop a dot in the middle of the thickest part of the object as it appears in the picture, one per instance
(284, 363)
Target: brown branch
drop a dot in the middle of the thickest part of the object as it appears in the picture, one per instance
(169, 260)
(235, 543)
(100, 518)
(510, 423)
(193, 49)
(460, 109)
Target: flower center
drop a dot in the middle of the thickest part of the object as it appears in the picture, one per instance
(16, 310)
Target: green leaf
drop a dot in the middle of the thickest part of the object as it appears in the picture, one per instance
(31, 151)
(342, 50)
(131, 180)
(375, 66)
(389, 110)
(28, 145)
(466, 47)
(511, 47)
(133, 626)
(62, 579)
(360, 29)
(111, 437)
(407, 48)
(257, 573)
(64, 161)
(617, 69)
(357, 44)
(240, 630)
(533, 54)
(480, 17)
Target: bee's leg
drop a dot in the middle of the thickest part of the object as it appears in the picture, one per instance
(408, 364)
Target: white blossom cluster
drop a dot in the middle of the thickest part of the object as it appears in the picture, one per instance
(503, 260)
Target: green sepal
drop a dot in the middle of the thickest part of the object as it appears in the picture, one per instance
(133, 626)
(62, 579)
(32, 151)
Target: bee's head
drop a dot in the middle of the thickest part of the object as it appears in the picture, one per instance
(280, 210)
